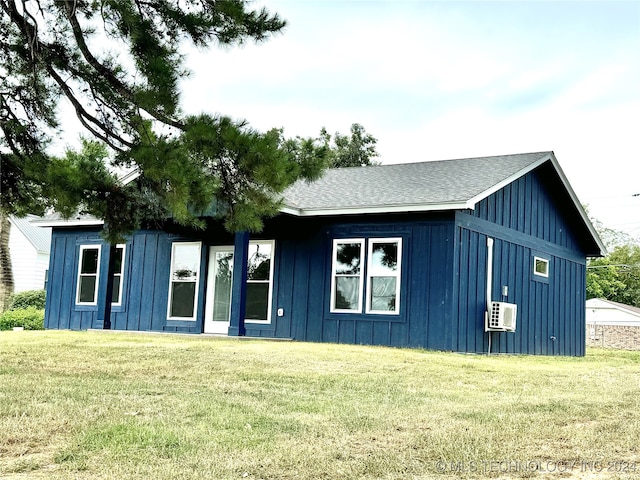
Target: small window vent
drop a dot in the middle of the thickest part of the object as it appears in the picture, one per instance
(502, 317)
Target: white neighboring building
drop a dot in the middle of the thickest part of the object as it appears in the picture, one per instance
(606, 312)
(612, 324)
(29, 247)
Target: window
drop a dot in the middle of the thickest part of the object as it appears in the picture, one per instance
(183, 280)
(383, 259)
(383, 275)
(118, 276)
(346, 284)
(541, 267)
(88, 274)
(259, 281)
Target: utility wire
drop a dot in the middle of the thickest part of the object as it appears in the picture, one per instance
(625, 265)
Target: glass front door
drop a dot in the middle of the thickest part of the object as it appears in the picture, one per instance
(219, 283)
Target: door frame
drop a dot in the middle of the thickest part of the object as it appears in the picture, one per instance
(209, 326)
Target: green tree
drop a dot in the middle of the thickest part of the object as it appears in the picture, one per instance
(603, 280)
(118, 64)
(355, 150)
(616, 277)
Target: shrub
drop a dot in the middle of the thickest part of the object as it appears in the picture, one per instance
(30, 298)
(30, 318)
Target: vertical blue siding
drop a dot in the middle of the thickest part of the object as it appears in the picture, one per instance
(550, 312)
(443, 283)
(61, 311)
(285, 260)
(426, 287)
(528, 217)
(145, 286)
(532, 206)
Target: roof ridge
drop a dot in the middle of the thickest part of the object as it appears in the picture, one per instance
(443, 160)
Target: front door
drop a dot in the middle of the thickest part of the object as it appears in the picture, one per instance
(219, 283)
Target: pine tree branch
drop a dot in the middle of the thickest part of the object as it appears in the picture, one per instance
(85, 117)
(120, 87)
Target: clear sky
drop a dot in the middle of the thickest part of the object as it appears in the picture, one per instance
(437, 80)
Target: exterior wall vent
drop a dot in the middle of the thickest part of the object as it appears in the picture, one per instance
(502, 317)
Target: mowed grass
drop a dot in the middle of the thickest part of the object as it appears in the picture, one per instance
(87, 405)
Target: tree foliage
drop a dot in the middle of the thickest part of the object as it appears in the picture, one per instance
(616, 277)
(355, 150)
(118, 64)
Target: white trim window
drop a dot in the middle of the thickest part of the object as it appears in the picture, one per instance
(184, 280)
(346, 275)
(118, 275)
(383, 275)
(380, 274)
(88, 275)
(259, 281)
(541, 267)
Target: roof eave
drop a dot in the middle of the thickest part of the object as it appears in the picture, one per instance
(373, 209)
(85, 222)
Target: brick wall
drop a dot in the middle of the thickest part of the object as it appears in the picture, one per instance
(613, 336)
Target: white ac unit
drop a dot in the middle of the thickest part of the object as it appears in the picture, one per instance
(502, 317)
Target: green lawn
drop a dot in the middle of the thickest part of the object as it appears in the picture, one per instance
(92, 405)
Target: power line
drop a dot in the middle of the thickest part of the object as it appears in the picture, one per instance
(625, 265)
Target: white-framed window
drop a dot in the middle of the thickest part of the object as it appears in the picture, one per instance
(346, 275)
(379, 275)
(118, 275)
(183, 280)
(541, 267)
(259, 281)
(88, 275)
(383, 275)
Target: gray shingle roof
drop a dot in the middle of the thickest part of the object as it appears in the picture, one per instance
(407, 187)
(438, 184)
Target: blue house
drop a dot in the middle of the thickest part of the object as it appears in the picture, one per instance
(469, 255)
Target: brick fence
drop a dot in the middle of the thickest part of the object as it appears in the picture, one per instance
(613, 336)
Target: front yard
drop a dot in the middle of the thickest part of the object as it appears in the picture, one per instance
(134, 406)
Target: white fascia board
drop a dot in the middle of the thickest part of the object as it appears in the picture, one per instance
(130, 177)
(86, 222)
(321, 212)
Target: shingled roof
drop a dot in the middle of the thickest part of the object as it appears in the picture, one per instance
(420, 187)
(436, 185)
(407, 187)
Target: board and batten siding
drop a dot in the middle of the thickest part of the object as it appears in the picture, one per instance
(550, 318)
(424, 319)
(530, 205)
(61, 312)
(526, 219)
(145, 284)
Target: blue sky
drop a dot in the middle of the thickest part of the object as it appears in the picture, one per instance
(450, 79)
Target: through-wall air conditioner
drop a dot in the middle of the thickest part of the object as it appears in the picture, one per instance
(502, 317)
